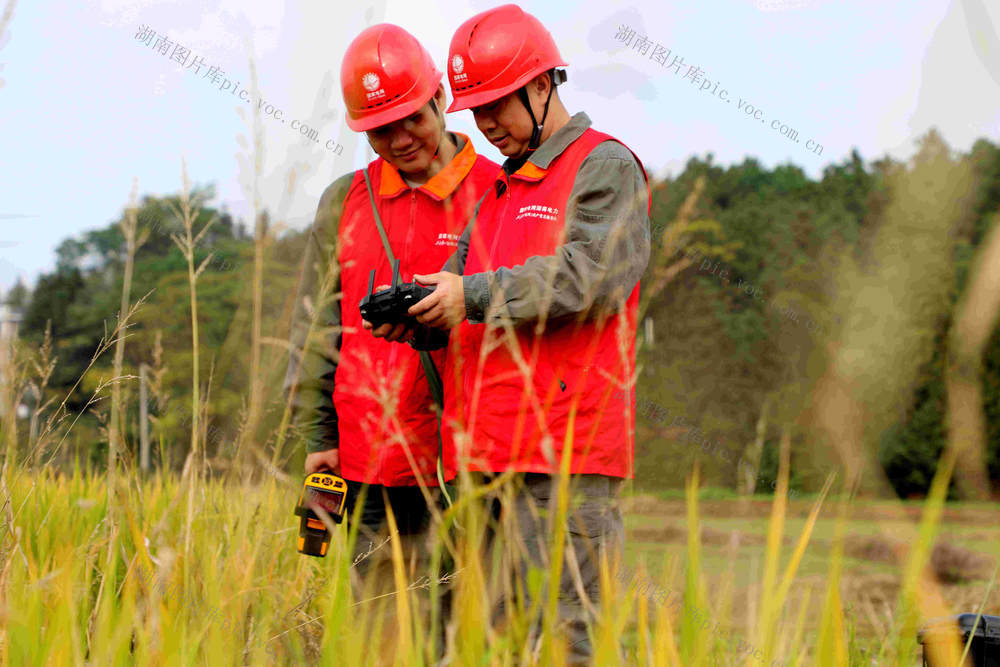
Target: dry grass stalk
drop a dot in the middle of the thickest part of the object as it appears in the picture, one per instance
(61, 414)
(44, 363)
(5, 19)
(12, 386)
(133, 241)
(154, 385)
(976, 317)
(249, 428)
(252, 164)
(188, 213)
(664, 271)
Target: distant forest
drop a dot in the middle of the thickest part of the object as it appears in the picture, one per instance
(743, 302)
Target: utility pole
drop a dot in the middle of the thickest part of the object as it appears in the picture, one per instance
(10, 318)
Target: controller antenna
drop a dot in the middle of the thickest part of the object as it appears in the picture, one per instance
(395, 275)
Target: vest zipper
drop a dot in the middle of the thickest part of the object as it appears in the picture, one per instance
(503, 221)
(393, 356)
(410, 230)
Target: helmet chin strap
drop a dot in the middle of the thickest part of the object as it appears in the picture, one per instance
(556, 77)
(536, 133)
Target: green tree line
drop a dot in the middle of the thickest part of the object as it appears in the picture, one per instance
(745, 318)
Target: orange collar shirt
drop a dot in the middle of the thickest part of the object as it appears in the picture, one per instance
(363, 394)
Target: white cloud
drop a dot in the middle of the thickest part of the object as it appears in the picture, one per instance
(206, 29)
(784, 5)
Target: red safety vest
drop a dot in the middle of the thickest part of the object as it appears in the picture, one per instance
(386, 421)
(498, 417)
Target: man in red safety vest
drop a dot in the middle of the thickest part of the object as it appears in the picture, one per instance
(541, 297)
(362, 404)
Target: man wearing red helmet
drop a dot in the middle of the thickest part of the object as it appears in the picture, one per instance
(363, 405)
(542, 295)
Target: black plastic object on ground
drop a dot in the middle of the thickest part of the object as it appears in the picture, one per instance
(985, 648)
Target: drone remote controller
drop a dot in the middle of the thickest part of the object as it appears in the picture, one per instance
(390, 306)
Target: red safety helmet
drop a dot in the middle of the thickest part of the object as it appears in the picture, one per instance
(497, 52)
(386, 75)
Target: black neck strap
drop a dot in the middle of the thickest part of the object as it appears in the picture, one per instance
(536, 133)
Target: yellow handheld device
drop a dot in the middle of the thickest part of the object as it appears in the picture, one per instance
(321, 491)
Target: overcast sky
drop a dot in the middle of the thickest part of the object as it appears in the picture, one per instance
(86, 107)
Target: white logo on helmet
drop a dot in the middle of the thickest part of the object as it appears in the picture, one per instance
(371, 83)
(457, 65)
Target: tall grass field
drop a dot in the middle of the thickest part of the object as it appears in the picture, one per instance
(146, 507)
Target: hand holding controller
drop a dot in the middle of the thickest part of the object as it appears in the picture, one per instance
(390, 306)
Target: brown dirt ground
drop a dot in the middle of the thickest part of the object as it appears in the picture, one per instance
(869, 597)
(864, 510)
